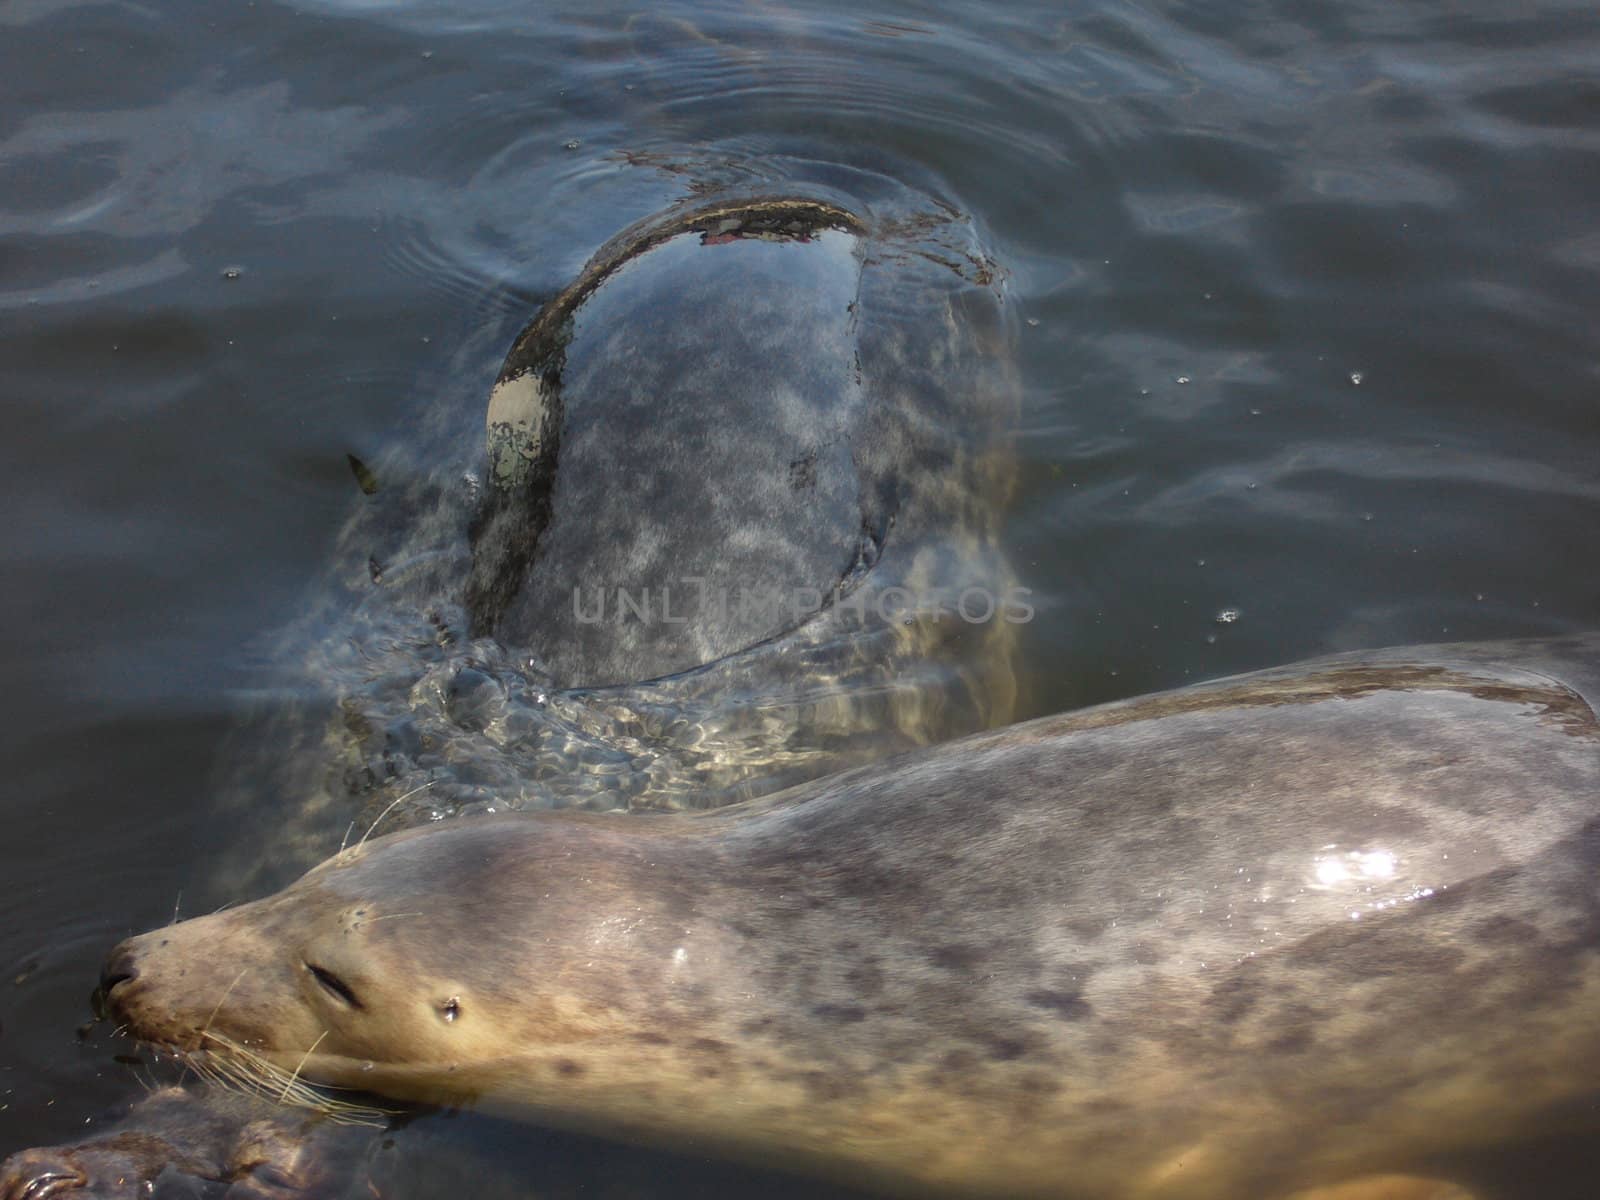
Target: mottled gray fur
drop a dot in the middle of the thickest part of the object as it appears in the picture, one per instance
(1260, 934)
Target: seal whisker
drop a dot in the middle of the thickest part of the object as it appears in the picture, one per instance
(392, 804)
(294, 1077)
(206, 1028)
(207, 1072)
(188, 1061)
(242, 1069)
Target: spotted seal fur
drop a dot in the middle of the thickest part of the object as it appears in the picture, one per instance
(1306, 928)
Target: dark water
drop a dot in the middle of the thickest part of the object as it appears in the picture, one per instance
(1307, 294)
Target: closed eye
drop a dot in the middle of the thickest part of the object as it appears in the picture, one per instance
(333, 985)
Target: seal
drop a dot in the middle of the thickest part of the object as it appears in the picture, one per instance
(736, 527)
(1311, 928)
(257, 1149)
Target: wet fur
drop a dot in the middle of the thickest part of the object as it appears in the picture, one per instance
(1089, 956)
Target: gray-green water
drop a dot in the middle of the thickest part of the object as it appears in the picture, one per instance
(1305, 291)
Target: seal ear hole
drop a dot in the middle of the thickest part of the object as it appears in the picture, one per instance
(333, 985)
(450, 1010)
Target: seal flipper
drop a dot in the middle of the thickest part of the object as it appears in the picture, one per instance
(178, 1142)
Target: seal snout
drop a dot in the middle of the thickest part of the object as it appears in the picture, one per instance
(121, 967)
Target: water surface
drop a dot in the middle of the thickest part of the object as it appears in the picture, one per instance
(1305, 300)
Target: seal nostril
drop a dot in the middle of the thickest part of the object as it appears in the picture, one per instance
(120, 968)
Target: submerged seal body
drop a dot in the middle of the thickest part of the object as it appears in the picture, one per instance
(1283, 931)
(737, 527)
(711, 435)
